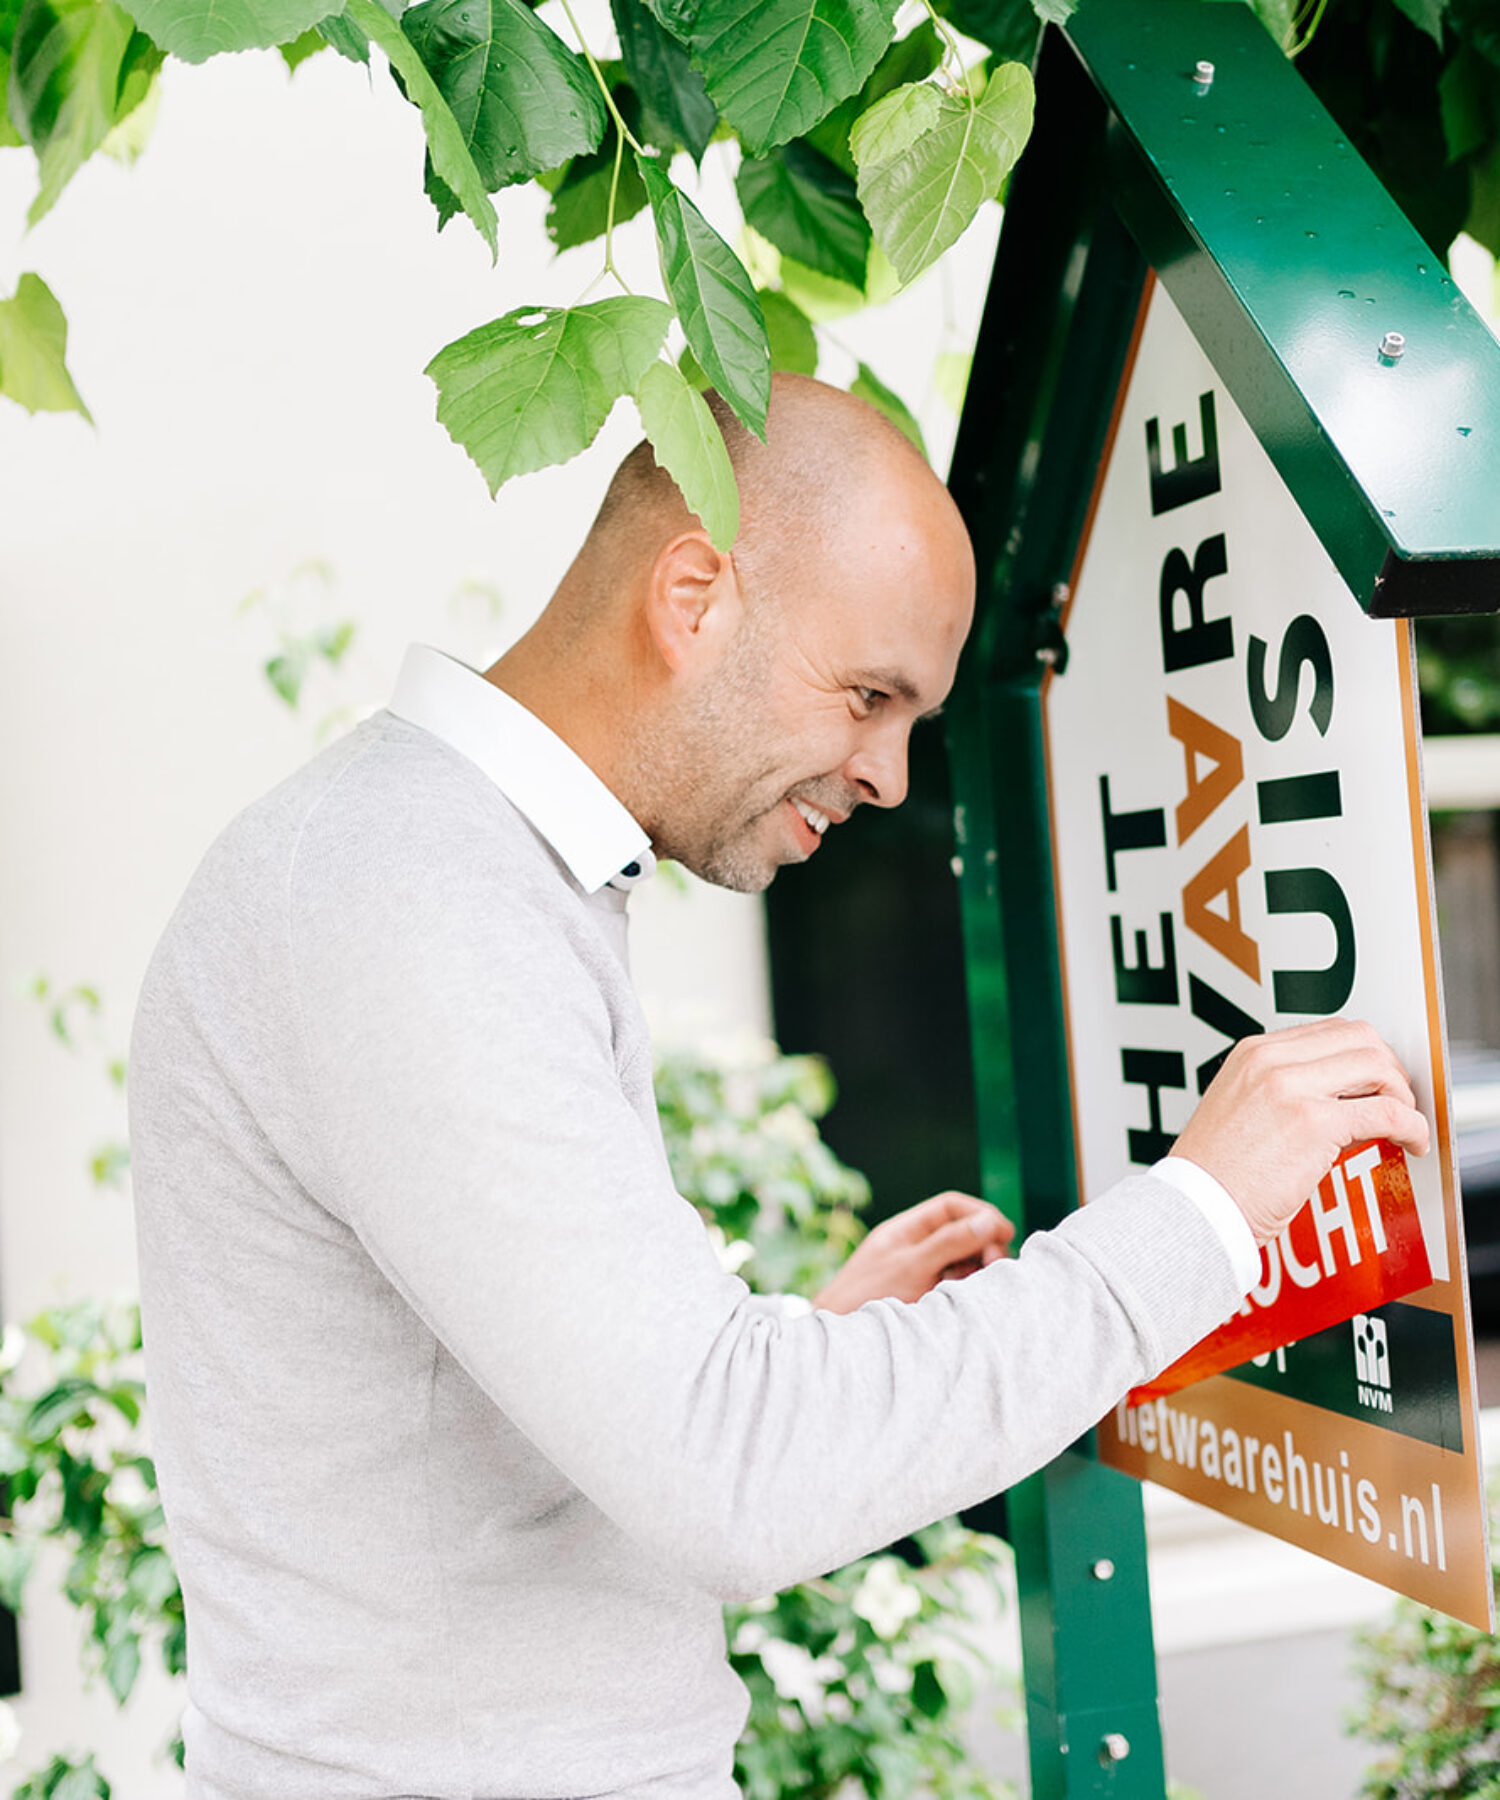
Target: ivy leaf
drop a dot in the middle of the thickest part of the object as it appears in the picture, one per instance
(523, 101)
(533, 388)
(867, 385)
(196, 31)
(78, 67)
(1056, 12)
(789, 331)
(671, 89)
(580, 201)
(714, 298)
(775, 67)
(690, 447)
(928, 161)
(33, 350)
(807, 207)
(446, 144)
(1483, 222)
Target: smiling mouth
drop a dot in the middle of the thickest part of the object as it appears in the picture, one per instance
(819, 821)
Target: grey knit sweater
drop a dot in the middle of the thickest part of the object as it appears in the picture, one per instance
(463, 1433)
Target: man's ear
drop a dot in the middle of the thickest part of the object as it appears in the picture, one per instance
(693, 601)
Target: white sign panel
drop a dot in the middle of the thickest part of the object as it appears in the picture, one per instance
(1240, 844)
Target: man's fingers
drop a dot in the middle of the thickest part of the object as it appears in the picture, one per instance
(928, 1215)
(1353, 1073)
(1382, 1116)
(962, 1240)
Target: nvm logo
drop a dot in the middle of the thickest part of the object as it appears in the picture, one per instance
(1372, 1362)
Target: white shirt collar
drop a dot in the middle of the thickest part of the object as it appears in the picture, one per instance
(549, 784)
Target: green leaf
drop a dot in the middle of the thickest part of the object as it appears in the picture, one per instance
(1466, 96)
(912, 58)
(81, 1781)
(77, 68)
(33, 351)
(580, 201)
(775, 67)
(1008, 27)
(808, 208)
(16, 1559)
(1055, 12)
(523, 101)
(1427, 15)
(690, 447)
(129, 138)
(1483, 222)
(714, 299)
(678, 109)
(345, 36)
(928, 161)
(950, 376)
(533, 388)
(195, 30)
(297, 52)
(446, 144)
(675, 16)
(10, 138)
(867, 385)
(789, 331)
(122, 1664)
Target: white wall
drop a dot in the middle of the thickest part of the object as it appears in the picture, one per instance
(250, 310)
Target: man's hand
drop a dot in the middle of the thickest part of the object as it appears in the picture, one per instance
(901, 1259)
(1283, 1108)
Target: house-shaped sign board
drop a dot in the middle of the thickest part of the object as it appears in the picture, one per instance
(1230, 425)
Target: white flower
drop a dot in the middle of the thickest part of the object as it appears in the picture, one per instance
(798, 1675)
(749, 1638)
(885, 1598)
(789, 1125)
(891, 1677)
(12, 1349)
(10, 1729)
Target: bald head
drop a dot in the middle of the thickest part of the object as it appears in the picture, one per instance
(826, 455)
(740, 703)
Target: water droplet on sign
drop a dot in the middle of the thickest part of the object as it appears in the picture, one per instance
(1421, 268)
(1346, 293)
(1464, 430)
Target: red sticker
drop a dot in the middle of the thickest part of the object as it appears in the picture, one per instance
(1356, 1244)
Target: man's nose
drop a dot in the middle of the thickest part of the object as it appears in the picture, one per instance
(878, 770)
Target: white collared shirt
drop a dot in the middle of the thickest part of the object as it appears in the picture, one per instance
(548, 783)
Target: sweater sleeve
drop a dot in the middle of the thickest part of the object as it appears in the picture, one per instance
(462, 1073)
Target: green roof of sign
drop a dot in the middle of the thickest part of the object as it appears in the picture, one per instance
(1369, 378)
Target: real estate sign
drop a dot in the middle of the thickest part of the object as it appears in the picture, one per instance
(1234, 772)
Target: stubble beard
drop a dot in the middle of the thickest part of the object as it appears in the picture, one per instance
(706, 763)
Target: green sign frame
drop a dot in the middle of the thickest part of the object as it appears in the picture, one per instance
(1171, 136)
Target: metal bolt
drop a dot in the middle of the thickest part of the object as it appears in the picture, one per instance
(1103, 1570)
(1203, 76)
(1392, 347)
(1114, 1747)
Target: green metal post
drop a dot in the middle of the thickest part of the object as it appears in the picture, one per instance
(1046, 371)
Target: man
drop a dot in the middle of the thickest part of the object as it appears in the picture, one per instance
(462, 1431)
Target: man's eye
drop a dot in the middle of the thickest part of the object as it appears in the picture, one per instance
(869, 698)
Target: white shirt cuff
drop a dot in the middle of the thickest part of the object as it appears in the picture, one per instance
(1213, 1201)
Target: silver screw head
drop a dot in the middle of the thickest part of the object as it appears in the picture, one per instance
(1103, 1570)
(1114, 1747)
(1392, 346)
(1203, 76)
